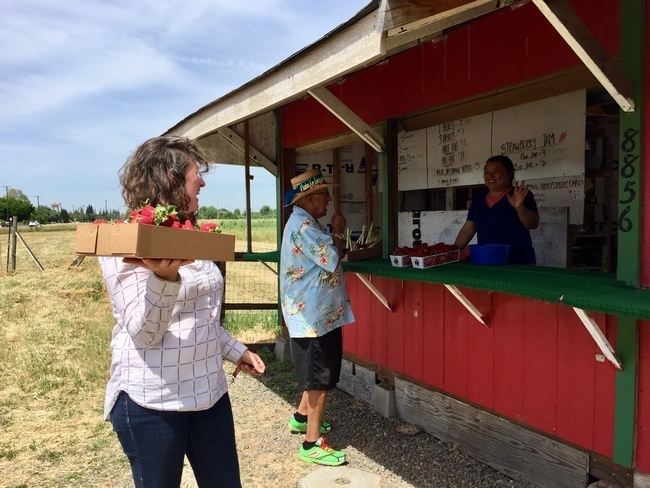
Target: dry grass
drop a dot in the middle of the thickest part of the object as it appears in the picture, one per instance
(54, 361)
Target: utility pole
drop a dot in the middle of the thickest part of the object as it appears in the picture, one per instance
(38, 201)
(7, 202)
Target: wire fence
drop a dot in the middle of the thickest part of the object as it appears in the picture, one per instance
(251, 296)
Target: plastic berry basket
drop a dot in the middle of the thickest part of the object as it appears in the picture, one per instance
(489, 254)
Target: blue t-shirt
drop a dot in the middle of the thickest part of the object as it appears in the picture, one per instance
(500, 224)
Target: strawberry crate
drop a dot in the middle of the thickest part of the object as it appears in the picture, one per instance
(400, 261)
(432, 260)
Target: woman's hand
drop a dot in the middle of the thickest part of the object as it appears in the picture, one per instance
(165, 269)
(518, 194)
(250, 363)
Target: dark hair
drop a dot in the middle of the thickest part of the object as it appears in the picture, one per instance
(506, 162)
(156, 173)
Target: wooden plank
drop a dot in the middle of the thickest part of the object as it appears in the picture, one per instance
(356, 46)
(415, 345)
(336, 179)
(369, 155)
(540, 365)
(573, 30)
(433, 362)
(508, 324)
(641, 480)
(357, 381)
(402, 12)
(254, 154)
(480, 352)
(455, 344)
(604, 469)
(605, 392)
(520, 453)
(576, 380)
(348, 117)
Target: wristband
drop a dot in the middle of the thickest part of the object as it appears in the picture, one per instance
(339, 235)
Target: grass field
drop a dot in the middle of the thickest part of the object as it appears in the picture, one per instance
(55, 355)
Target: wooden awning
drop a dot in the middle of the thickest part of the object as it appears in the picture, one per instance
(381, 29)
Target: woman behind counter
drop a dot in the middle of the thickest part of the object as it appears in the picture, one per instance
(167, 396)
(504, 214)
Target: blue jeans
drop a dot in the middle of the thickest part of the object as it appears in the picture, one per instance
(156, 443)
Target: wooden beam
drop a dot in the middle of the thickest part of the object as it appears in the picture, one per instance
(425, 27)
(468, 304)
(348, 117)
(359, 45)
(374, 291)
(254, 154)
(369, 199)
(599, 337)
(336, 179)
(570, 26)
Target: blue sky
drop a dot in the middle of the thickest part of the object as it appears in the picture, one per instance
(84, 82)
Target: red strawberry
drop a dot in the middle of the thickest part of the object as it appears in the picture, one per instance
(171, 220)
(188, 225)
(210, 227)
(100, 221)
(177, 225)
(148, 211)
(145, 220)
(562, 136)
(133, 216)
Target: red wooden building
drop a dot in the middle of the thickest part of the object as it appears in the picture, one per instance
(554, 387)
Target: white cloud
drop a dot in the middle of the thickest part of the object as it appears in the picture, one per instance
(83, 82)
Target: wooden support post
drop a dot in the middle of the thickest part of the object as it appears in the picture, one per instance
(599, 337)
(374, 291)
(468, 305)
(336, 179)
(369, 201)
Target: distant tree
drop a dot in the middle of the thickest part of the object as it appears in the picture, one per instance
(15, 207)
(17, 194)
(64, 215)
(237, 212)
(265, 210)
(44, 214)
(208, 213)
(90, 213)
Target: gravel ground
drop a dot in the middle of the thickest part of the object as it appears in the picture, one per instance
(268, 452)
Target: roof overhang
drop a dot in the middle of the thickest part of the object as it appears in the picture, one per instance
(383, 28)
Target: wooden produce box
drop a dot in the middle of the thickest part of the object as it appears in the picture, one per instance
(153, 241)
(368, 252)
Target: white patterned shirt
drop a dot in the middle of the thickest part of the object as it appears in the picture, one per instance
(312, 287)
(168, 344)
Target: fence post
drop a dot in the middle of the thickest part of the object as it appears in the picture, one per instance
(11, 255)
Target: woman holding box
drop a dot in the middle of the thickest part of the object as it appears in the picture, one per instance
(167, 396)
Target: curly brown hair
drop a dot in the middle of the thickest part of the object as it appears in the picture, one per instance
(155, 173)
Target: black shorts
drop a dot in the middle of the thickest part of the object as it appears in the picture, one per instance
(317, 360)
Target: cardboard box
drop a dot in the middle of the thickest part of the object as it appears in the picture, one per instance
(424, 262)
(153, 241)
(400, 261)
(368, 252)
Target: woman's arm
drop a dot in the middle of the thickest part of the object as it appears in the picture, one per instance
(517, 198)
(465, 234)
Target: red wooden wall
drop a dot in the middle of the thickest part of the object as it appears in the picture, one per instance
(535, 364)
(501, 49)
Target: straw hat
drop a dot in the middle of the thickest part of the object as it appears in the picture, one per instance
(304, 184)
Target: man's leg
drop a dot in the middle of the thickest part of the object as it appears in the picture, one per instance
(316, 400)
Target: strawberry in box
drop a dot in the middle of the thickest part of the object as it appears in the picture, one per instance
(425, 256)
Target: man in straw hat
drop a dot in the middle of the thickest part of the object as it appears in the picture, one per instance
(315, 305)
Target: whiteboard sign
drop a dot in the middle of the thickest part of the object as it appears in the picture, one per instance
(567, 191)
(544, 139)
(457, 150)
(412, 160)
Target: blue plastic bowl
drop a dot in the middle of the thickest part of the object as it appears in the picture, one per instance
(489, 253)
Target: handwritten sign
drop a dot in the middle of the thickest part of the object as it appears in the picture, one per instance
(567, 191)
(412, 160)
(544, 139)
(457, 150)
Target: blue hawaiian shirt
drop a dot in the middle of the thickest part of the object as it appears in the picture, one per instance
(312, 287)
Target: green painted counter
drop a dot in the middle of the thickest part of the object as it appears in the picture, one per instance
(599, 292)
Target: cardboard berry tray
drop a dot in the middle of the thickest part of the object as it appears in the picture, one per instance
(401, 260)
(153, 241)
(424, 262)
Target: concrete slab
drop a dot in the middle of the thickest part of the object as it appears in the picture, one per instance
(339, 476)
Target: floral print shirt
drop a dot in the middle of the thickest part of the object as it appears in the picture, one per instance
(312, 287)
